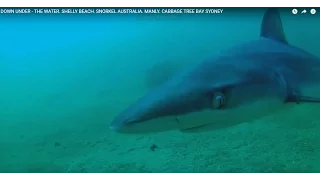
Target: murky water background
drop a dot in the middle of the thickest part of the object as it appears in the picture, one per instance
(64, 79)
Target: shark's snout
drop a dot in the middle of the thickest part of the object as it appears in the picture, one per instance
(117, 125)
(126, 118)
(132, 119)
(114, 127)
(129, 118)
(144, 109)
(153, 110)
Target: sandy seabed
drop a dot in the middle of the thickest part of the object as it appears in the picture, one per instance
(283, 142)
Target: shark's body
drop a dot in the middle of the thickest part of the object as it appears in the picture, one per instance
(254, 78)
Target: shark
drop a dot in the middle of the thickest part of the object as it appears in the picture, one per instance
(242, 83)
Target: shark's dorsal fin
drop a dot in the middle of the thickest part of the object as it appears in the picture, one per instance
(271, 26)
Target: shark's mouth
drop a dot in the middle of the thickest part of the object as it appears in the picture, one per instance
(130, 122)
(136, 120)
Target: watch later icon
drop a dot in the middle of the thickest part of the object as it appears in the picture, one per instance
(313, 11)
(294, 11)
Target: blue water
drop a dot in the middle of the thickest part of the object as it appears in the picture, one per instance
(64, 78)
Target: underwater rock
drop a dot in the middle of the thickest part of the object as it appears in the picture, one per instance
(57, 144)
(153, 147)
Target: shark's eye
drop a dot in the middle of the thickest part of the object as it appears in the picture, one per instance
(218, 100)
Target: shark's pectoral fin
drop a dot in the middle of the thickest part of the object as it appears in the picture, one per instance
(297, 98)
(271, 26)
(291, 93)
(193, 129)
(190, 126)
